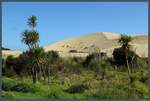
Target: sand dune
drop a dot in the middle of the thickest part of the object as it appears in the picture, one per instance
(103, 41)
(6, 53)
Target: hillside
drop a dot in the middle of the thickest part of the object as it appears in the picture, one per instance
(101, 41)
(6, 53)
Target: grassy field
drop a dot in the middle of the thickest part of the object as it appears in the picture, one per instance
(83, 85)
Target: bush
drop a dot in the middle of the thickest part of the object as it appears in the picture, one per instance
(18, 65)
(9, 66)
(53, 57)
(7, 95)
(94, 62)
(73, 65)
(110, 93)
(78, 59)
(77, 88)
(55, 92)
(13, 85)
(7, 84)
(142, 63)
(141, 88)
(23, 87)
(90, 58)
(119, 55)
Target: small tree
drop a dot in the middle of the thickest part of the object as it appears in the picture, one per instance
(125, 45)
(124, 41)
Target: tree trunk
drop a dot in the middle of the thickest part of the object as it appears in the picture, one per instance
(34, 75)
(129, 75)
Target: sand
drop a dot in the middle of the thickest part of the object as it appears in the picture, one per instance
(101, 41)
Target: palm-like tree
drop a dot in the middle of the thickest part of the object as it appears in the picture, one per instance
(25, 38)
(30, 38)
(37, 59)
(124, 41)
(36, 54)
(32, 21)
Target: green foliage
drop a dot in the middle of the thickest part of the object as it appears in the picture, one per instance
(12, 85)
(53, 57)
(78, 60)
(30, 38)
(38, 54)
(10, 63)
(32, 21)
(124, 41)
(55, 92)
(80, 88)
(110, 93)
(19, 95)
(24, 87)
(142, 63)
(90, 58)
(18, 66)
(119, 55)
(7, 84)
(141, 88)
(73, 65)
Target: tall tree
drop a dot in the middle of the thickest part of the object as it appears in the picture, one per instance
(31, 39)
(125, 42)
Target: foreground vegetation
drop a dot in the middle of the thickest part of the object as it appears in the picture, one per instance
(37, 74)
(78, 86)
(78, 82)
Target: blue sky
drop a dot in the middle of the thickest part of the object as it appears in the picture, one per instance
(58, 21)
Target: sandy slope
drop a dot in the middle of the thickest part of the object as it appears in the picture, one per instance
(6, 53)
(102, 41)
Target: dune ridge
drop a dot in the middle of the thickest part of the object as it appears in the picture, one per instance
(103, 41)
(81, 46)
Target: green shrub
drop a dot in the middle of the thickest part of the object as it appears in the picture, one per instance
(55, 92)
(77, 88)
(23, 87)
(53, 56)
(142, 63)
(13, 66)
(110, 93)
(119, 55)
(73, 65)
(141, 88)
(144, 76)
(19, 95)
(78, 59)
(7, 84)
(90, 58)
(13, 85)
(7, 95)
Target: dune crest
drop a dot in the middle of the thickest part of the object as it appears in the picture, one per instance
(103, 41)
(6, 53)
